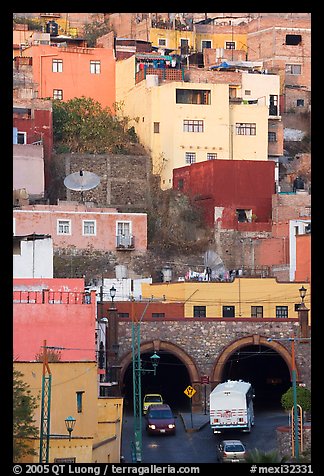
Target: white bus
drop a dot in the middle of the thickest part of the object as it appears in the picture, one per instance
(231, 406)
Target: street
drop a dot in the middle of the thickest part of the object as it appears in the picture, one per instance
(200, 446)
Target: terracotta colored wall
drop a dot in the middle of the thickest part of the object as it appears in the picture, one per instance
(171, 311)
(230, 184)
(303, 258)
(76, 79)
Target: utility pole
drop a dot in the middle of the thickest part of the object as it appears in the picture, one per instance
(45, 409)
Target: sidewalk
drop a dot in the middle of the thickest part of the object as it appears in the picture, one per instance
(194, 421)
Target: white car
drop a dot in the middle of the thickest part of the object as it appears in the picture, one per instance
(231, 451)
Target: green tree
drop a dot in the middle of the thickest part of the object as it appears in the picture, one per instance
(83, 125)
(24, 405)
(303, 399)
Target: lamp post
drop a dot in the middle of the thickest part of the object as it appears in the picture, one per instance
(302, 309)
(70, 424)
(112, 345)
(137, 388)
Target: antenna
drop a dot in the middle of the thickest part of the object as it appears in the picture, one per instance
(81, 181)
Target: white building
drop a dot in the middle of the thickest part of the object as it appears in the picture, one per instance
(32, 256)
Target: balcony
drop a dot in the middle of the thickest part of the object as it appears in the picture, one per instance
(125, 242)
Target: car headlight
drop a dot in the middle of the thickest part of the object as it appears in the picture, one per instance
(152, 427)
(172, 425)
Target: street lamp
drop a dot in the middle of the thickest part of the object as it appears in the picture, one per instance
(137, 387)
(70, 424)
(302, 293)
(112, 292)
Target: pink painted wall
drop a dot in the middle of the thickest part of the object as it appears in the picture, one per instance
(43, 219)
(71, 326)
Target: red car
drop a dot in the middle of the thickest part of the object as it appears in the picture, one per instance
(160, 420)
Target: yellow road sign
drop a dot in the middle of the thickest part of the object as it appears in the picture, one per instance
(190, 391)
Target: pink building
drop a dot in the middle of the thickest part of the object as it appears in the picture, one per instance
(83, 227)
(55, 310)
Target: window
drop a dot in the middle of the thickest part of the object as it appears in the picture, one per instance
(156, 127)
(184, 46)
(228, 311)
(64, 227)
(57, 66)
(158, 314)
(193, 96)
(206, 44)
(229, 45)
(57, 94)
(95, 67)
(256, 311)
(211, 156)
(293, 40)
(281, 312)
(300, 103)
(244, 215)
(272, 137)
(193, 126)
(190, 157)
(199, 311)
(247, 92)
(22, 138)
(123, 314)
(123, 228)
(162, 41)
(245, 129)
(293, 69)
(79, 396)
(89, 227)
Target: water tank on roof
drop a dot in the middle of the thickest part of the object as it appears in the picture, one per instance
(52, 28)
(166, 274)
(121, 271)
(152, 80)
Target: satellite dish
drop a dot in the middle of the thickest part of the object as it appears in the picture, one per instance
(81, 181)
(214, 262)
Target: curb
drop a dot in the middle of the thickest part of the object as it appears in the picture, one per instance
(191, 430)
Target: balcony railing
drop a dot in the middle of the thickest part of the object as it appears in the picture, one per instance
(51, 297)
(125, 242)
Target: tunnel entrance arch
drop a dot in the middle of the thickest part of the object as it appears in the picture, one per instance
(266, 365)
(176, 370)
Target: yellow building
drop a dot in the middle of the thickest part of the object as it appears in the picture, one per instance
(241, 298)
(96, 437)
(174, 39)
(181, 123)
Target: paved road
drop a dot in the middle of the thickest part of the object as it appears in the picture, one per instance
(199, 446)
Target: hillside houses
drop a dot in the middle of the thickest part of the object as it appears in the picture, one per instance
(207, 99)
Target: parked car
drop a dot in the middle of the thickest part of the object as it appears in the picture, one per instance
(160, 420)
(231, 451)
(150, 398)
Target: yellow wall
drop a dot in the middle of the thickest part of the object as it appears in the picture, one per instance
(151, 104)
(218, 40)
(241, 293)
(94, 425)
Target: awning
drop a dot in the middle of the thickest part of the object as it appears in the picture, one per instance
(151, 57)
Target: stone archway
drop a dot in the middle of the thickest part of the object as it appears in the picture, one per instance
(245, 341)
(157, 345)
(160, 345)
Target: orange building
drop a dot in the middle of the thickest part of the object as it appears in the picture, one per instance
(65, 72)
(303, 258)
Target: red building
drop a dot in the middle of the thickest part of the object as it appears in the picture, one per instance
(33, 120)
(235, 193)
